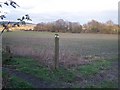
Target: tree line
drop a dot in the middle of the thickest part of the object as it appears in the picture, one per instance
(92, 26)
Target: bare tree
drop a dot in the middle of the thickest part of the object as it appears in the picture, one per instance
(20, 20)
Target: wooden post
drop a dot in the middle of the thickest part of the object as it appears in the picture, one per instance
(56, 51)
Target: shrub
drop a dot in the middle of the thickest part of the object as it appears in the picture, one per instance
(6, 55)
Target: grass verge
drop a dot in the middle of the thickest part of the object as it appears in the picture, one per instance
(31, 66)
(34, 68)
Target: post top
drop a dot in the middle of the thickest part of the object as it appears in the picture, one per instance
(56, 34)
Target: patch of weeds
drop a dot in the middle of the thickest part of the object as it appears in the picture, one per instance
(108, 84)
(30, 66)
(14, 82)
(94, 68)
(64, 75)
(91, 86)
(5, 79)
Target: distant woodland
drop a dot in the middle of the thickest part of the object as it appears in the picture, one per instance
(74, 27)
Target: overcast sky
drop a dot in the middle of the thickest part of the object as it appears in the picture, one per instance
(80, 11)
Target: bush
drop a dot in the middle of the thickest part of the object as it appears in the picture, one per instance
(6, 55)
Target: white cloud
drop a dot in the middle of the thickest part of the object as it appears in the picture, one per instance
(47, 6)
(74, 10)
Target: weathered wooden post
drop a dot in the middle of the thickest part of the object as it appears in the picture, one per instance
(56, 51)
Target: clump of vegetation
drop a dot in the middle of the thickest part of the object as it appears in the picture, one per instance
(6, 55)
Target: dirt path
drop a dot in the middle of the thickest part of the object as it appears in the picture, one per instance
(34, 81)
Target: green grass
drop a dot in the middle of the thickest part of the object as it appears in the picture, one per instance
(109, 84)
(30, 66)
(15, 82)
(104, 84)
(94, 68)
